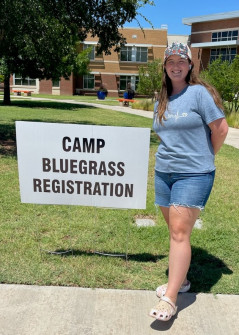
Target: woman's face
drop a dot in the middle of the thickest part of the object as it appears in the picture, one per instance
(177, 68)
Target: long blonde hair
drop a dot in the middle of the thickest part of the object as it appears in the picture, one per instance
(191, 79)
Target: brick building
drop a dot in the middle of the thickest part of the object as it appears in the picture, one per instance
(112, 71)
(116, 70)
(213, 35)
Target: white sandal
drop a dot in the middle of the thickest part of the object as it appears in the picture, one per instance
(161, 290)
(164, 310)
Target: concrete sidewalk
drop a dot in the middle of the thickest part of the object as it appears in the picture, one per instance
(233, 137)
(34, 310)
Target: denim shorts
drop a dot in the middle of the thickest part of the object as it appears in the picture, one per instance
(183, 189)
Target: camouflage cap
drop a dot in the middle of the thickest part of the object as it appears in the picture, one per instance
(179, 49)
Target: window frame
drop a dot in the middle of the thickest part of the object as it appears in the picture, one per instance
(92, 54)
(87, 79)
(133, 54)
(225, 35)
(20, 81)
(127, 51)
(56, 83)
(140, 51)
(125, 79)
(227, 53)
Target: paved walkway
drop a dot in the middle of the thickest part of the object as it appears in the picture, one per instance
(34, 310)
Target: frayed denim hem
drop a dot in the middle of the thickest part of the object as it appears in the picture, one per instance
(188, 206)
(181, 205)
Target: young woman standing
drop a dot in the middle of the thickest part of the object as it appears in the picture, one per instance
(191, 126)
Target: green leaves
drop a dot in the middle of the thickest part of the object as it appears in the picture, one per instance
(150, 78)
(38, 37)
(224, 76)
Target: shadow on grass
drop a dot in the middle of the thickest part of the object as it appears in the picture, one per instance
(8, 136)
(8, 140)
(144, 257)
(8, 132)
(205, 270)
(49, 104)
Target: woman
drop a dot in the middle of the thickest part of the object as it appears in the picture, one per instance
(191, 126)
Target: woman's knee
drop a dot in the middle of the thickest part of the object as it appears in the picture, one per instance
(179, 232)
(181, 222)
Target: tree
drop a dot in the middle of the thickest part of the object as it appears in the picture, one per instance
(150, 78)
(38, 38)
(224, 76)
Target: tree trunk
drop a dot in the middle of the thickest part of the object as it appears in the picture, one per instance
(7, 100)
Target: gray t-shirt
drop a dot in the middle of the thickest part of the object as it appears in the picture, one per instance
(185, 145)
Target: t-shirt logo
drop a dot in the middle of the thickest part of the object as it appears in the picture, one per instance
(176, 116)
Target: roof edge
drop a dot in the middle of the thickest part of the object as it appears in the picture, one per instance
(212, 17)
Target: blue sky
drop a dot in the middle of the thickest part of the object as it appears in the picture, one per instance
(172, 12)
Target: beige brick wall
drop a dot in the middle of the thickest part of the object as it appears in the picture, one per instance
(107, 68)
(110, 64)
(137, 36)
(148, 36)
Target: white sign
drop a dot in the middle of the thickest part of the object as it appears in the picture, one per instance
(70, 164)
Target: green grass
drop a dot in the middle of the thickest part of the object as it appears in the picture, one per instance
(233, 119)
(26, 230)
(110, 101)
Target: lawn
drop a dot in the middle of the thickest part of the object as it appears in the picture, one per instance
(110, 101)
(28, 231)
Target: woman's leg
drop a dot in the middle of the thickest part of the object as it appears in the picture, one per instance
(180, 221)
(165, 212)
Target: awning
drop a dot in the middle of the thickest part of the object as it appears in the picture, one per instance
(215, 44)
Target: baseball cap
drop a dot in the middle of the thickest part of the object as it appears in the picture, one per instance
(179, 49)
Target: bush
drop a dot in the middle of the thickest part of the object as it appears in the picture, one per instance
(231, 117)
(146, 105)
(150, 78)
(224, 76)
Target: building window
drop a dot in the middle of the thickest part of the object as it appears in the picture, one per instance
(126, 54)
(134, 54)
(230, 35)
(141, 55)
(89, 81)
(18, 80)
(92, 54)
(56, 83)
(124, 80)
(226, 53)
